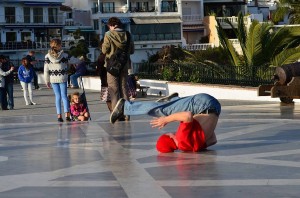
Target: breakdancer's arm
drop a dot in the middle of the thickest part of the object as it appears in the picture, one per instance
(160, 122)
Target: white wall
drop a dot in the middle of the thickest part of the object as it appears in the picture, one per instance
(78, 4)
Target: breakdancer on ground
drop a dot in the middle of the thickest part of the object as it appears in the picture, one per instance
(197, 114)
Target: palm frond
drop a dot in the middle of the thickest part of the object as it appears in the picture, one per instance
(228, 47)
(242, 31)
(286, 57)
(254, 46)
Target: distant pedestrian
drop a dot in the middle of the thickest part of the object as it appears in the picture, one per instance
(32, 63)
(56, 75)
(25, 74)
(2, 86)
(8, 100)
(80, 70)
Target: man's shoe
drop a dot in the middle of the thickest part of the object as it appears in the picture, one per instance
(168, 98)
(68, 119)
(121, 119)
(118, 111)
(60, 120)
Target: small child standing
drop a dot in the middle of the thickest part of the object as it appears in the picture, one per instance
(2, 85)
(25, 75)
(78, 109)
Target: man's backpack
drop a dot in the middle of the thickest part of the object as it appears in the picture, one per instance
(118, 59)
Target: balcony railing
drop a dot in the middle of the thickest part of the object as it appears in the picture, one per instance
(23, 45)
(194, 47)
(125, 9)
(156, 37)
(233, 20)
(11, 45)
(191, 18)
(36, 19)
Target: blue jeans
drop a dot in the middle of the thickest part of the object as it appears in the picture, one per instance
(8, 98)
(35, 80)
(73, 79)
(196, 104)
(60, 91)
(2, 98)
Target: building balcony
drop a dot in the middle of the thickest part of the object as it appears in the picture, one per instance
(192, 20)
(262, 3)
(27, 45)
(131, 9)
(156, 37)
(233, 20)
(122, 9)
(28, 20)
(12, 45)
(194, 47)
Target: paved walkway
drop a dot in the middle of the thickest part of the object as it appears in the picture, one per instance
(257, 154)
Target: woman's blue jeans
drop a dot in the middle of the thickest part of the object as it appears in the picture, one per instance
(196, 104)
(74, 80)
(60, 91)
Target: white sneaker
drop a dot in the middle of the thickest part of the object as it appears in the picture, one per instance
(33, 103)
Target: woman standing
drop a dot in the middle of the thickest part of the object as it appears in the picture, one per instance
(25, 75)
(56, 75)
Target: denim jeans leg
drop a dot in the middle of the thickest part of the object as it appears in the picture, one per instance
(140, 107)
(195, 104)
(35, 80)
(10, 93)
(4, 98)
(64, 96)
(56, 90)
(2, 92)
(74, 81)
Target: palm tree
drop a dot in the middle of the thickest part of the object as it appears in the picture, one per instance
(262, 46)
(287, 7)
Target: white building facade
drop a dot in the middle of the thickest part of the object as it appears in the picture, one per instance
(29, 25)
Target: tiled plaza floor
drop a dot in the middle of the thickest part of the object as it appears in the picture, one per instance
(257, 154)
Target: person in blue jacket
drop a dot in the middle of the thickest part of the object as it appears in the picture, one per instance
(25, 75)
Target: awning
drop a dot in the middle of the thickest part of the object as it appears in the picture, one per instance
(169, 20)
(42, 4)
(145, 20)
(156, 20)
(123, 20)
(193, 28)
(73, 29)
(81, 30)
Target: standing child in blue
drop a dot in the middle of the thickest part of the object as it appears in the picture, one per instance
(2, 85)
(25, 75)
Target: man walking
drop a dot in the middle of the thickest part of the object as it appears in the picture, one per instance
(116, 38)
(8, 98)
(31, 60)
